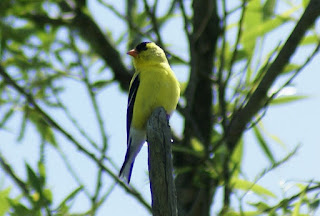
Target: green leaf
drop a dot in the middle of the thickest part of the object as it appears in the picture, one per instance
(46, 196)
(263, 144)
(297, 205)
(251, 34)
(248, 213)
(310, 40)
(17, 34)
(183, 87)
(22, 127)
(182, 170)
(272, 136)
(305, 3)
(62, 207)
(245, 185)
(197, 146)
(100, 84)
(241, 54)
(19, 209)
(42, 170)
(4, 203)
(6, 117)
(33, 179)
(141, 19)
(252, 20)
(46, 39)
(228, 53)
(185, 150)
(236, 158)
(296, 209)
(42, 126)
(278, 140)
(253, 15)
(268, 9)
(314, 204)
(176, 60)
(288, 99)
(163, 19)
(290, 67)
(260, 205)
(62, 211)
(264, 67)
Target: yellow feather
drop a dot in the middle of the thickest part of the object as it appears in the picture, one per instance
(158, 85)
(155, 86)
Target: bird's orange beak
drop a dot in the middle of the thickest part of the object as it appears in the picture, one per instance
(133, 53)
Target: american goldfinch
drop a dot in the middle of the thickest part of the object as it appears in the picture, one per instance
(153, 85)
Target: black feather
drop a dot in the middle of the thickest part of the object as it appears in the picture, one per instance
(131, 98)
(142, 46)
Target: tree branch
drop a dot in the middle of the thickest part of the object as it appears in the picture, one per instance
(195, 197)
(163, 192)
(102, 45)
(259, 97)
(91, 33)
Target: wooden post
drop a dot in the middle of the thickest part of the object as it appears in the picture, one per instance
(163, 192)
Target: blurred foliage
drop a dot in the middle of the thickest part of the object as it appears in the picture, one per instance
(45, 43)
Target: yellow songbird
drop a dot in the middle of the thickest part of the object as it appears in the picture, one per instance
(153, 85)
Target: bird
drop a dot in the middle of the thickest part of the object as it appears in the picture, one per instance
(153, 85)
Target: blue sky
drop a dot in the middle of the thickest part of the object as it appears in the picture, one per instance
(296, 123)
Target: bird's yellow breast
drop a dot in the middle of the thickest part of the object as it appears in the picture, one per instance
(158, 87)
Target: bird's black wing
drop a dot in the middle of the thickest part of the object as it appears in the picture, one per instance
(131, 99)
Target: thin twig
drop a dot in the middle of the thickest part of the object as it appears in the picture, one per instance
(71, 171)
(224, 83)
(287, 201)
(297, 71)
(91, 95)
(221, 82)
(269, 100)
(131, 190)
(113, 9)
(227, 186)
(186, 20)
(9, 171)
(272, 167)
(171, 8)
(74, 121)
(152, 15)
(98, 203)
(97, 112)
(235, 51)
(127, 19)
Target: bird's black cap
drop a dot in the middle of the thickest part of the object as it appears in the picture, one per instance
(142, 46)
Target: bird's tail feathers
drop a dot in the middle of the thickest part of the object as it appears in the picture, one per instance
(126, 169)
(135, 142)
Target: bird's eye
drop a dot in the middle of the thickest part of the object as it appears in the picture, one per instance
(142, 46)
